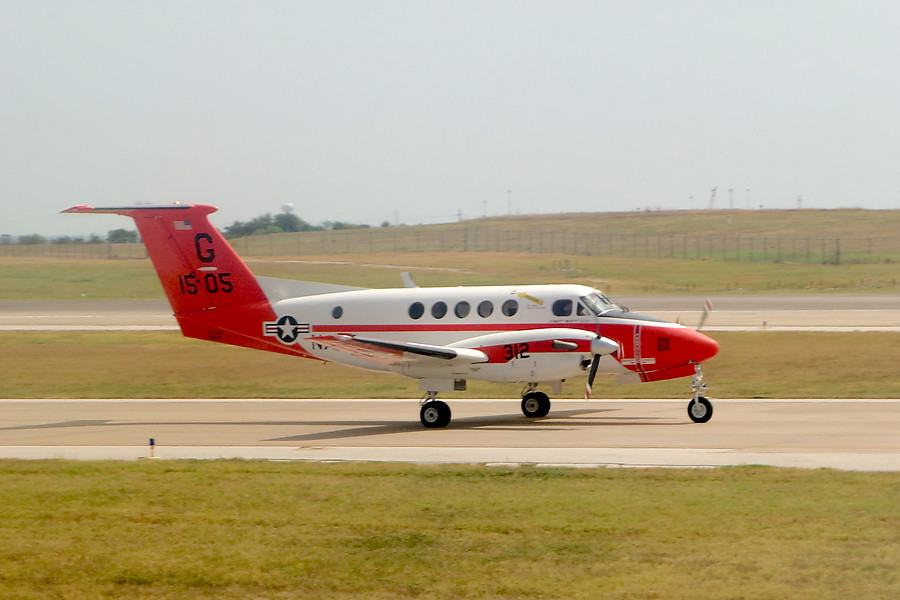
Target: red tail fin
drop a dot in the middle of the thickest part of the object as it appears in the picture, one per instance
(212, 292)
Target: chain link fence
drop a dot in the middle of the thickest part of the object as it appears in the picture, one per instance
(412, 239)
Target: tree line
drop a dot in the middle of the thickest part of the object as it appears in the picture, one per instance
(280, 223)
(283, 223)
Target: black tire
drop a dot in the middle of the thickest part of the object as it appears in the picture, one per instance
(535, 405)
(701, 410)
(435, 414)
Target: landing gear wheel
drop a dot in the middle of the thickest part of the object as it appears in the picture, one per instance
(700, 410)
(435, 414)
(535, 404)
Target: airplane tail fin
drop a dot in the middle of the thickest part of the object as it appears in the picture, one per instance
(213, 294)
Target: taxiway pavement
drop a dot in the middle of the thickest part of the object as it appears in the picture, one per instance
(850, 435)
(775, 312)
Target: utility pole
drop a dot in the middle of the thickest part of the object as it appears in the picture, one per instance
(712, 198)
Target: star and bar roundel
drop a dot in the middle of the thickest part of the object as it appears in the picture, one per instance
(286, 329)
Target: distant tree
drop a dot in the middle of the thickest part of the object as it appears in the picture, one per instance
(385, 224)
(289, 222)
(95, 239)
(280, 223)
(121, 236)
(335, 225)
(34, 238)
(68, 240)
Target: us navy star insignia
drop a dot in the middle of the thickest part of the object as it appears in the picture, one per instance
(286, 329)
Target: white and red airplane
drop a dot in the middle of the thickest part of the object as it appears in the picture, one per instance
(441, 336)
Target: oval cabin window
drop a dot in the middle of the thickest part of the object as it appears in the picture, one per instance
(416, 310)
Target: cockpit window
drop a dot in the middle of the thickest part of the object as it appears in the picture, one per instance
(599, 303)
(562, 308)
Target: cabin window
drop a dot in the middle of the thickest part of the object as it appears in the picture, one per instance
(562, 308)
(510, 307)
(416, 310)
(337, 312)
(485, 309)
(438, 310)
(462, 309)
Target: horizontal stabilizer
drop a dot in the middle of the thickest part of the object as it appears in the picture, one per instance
(280, 289)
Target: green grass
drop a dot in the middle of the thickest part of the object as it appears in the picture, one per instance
(28, 279)
(166, 365)
(235, 530)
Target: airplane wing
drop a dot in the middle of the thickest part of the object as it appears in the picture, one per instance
(389, 352)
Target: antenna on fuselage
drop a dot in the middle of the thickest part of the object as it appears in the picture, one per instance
(407, 280)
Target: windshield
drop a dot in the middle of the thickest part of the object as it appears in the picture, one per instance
(599, 303)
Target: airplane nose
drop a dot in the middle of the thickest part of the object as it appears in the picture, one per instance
(701, 347)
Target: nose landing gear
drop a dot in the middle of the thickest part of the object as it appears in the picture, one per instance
(699, 409)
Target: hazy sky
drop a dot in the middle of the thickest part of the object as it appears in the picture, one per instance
(367, 111)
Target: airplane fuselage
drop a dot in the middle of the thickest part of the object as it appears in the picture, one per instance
(502, 321)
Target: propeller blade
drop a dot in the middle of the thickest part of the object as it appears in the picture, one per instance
(707, 308)
(593, 373)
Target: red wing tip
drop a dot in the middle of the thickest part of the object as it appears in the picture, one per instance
(78, 209)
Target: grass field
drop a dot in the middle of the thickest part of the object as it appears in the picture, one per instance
(30, 279)
(251, 530)
(166, 365)
(242, 530)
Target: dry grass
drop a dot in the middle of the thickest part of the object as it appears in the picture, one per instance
(29, 279)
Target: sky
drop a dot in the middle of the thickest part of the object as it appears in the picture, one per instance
(425, 111)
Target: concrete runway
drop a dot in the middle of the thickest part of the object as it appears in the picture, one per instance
(777, 312)
(848, 435)
(860, 435)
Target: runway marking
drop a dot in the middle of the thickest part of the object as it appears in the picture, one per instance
(505, 457)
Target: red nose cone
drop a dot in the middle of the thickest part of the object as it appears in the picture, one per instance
(700, 347)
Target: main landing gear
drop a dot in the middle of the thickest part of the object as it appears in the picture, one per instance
(535, 404)
(434, 414)
(699, 409)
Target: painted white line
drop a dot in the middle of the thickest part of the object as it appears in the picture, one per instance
(548, 457)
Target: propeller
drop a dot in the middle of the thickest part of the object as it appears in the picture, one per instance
(707, 308)
(600, 346)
